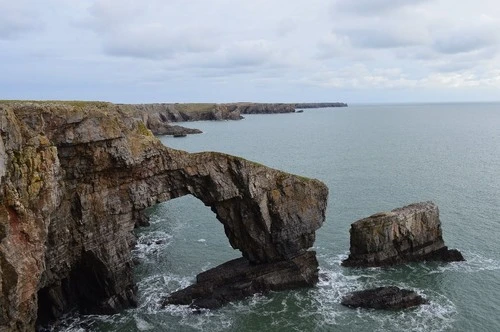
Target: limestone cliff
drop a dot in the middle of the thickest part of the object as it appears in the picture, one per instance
(410, 233)
(74, 179)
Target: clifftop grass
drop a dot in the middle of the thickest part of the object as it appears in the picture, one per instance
(74, 103)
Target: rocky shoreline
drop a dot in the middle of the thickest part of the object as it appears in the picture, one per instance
(160, 116)
(74, 179)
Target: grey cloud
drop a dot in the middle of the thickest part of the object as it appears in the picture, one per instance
(463, 42)
(369, 38)
(17, 18)
(373, 6)
(243, 54)
(156, 43)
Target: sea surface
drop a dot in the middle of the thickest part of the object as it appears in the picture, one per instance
(373, 158)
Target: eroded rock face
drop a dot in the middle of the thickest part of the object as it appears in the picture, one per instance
(390, 297)
(75, 180)
(238, 279)
(410, 233)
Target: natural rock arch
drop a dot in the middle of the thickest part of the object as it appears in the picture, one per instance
(76, 179)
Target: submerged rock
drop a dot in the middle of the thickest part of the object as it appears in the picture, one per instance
(407, 234)
(74, 179)
(238, 279)
(383, 298)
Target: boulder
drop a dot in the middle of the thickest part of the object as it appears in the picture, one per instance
(407, 234)
(383, 298)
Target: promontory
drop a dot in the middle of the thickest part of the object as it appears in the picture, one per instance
(74, 178)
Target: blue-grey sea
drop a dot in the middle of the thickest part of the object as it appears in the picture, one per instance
(373, 158)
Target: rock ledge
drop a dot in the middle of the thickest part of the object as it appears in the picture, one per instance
(238, 279)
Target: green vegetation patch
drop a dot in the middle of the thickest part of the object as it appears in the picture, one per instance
(74, 103)
(195, 107)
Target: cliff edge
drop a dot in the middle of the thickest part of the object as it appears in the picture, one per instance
(74, 178)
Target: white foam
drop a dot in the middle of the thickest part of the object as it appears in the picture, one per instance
(336, 282)
(149, 244)
(141, 324)
(156, 287)
(473, 263)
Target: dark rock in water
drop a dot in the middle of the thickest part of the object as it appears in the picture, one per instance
(383, 298)
(407, 234)
(300, 111)
(176, 131)
(238, 279)
(142, 220)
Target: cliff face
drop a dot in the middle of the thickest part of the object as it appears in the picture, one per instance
(410, 233)
(73, 182)
(158, 117)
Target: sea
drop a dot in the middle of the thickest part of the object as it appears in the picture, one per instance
(373, 158)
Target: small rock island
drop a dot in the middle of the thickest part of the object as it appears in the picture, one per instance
(408, 234)
(389, 298)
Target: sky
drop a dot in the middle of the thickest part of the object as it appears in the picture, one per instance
(355, 51)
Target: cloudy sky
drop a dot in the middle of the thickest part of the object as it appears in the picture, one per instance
(250, 50)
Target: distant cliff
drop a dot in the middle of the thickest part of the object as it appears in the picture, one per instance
(160, 116)
(319, 105)
(74, 178)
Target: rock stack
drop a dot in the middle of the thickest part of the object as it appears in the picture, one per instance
(408, 234)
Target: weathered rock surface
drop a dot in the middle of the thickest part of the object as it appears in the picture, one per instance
(383, 298)
(238, 279)
(407, 234)
(74, 179)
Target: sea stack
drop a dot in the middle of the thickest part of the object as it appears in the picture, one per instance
(407, 234)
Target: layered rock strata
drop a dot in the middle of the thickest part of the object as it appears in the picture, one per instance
(239, 278)
(407, 234)
(390, 297)
(74, 179)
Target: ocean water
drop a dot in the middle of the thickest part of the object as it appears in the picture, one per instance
(373, 158)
